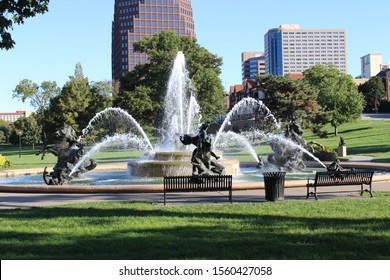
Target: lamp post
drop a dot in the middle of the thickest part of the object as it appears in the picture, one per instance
(20, 144)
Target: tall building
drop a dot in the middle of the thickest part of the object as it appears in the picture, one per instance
(253, 63)
(290, 49)
(370, 65)
(134, 19)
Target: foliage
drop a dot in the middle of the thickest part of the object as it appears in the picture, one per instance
(290, 100)
(373, 91)
(77, 103)
(151, 78)
(4, 162)
(5, 128)
(39, 97)
(28, 129)
(338, 95)
(12, 11)
(323, 153)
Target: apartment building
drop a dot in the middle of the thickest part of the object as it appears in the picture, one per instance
(290, 49)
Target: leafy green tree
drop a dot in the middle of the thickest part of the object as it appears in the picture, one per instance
(28, 129)
(338, 94)
(39, 97)
(12, 11)
(373, 91)
(77, 103)
(162, 48)
(290, 100)
(6, 128)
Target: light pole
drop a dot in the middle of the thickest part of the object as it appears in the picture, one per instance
(20, 144)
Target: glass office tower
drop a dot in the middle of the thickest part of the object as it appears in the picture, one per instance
(134, 19)
(290, 49)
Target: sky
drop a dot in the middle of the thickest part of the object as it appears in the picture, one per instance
(49, 46)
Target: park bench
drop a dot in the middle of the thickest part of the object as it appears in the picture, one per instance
(341, 178)
(213, 183)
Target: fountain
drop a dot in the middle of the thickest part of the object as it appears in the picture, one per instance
(170, 156)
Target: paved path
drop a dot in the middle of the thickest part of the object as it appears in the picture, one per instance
(23, 200)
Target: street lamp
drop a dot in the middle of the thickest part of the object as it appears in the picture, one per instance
(20, 144)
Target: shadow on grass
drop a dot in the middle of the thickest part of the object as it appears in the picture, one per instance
(369, 149)
(166, 233)
(354, 130)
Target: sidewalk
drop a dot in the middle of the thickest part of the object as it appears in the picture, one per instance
(26, 200)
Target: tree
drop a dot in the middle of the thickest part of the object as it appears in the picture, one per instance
(373, 91)
(77, 103)
(5, 127)
(39, 97)
(290, 100)
(28, 129)
(338, 95)
(162, 48)
(12, 11)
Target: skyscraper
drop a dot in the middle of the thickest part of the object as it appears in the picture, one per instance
(290, 49)
(135, 19)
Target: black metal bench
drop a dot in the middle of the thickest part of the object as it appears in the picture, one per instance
(341, 178)
(214, 183)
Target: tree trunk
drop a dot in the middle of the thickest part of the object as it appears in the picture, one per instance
(336, 132)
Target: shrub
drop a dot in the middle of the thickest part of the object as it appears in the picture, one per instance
(323, 153)
(4, 162)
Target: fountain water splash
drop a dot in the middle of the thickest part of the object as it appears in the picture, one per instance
(179, 101)
(126, 140)
(247, 106)
(227, 139)
(281, 141)
(115, 116)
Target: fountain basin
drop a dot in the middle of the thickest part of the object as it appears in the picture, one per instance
(174, 163)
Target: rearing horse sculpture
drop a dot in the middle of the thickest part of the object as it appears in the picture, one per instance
(68, 152)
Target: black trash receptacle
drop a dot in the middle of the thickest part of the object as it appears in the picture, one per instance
(274, 185)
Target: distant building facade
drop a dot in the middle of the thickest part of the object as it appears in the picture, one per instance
(371, 65)
(253, 63)
(14, 116)
(290, 49)
(135, 19)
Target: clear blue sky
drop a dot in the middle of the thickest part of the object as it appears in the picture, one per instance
(49, 46)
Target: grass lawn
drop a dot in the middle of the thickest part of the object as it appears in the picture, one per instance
(326, 229)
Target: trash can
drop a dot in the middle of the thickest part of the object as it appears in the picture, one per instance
(274, 185)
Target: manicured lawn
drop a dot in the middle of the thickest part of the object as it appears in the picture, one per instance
(326, 229)
(364, 137)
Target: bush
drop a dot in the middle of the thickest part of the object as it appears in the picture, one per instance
(4, 162)
(323, 153)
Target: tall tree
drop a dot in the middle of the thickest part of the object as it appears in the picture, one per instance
(12, 11)
(39, 97)
(373, 91)
(290, 100)
(162, 48)
(78, 102)
(338, 95)
(28, 129)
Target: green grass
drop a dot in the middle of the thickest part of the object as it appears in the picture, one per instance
(364, 137)
(327, 229)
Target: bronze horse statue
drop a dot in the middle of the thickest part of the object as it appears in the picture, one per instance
(68, 151)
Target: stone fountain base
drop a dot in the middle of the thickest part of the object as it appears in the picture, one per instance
(175, 163)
